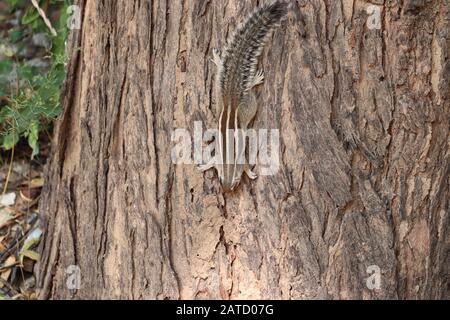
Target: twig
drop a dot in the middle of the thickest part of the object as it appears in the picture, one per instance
(9, 266)
(44, 17)
(10, 287)
(9, 171)
(5, 254)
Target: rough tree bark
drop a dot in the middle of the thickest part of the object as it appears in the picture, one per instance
(363, 115)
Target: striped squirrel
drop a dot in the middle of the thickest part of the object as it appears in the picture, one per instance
(236, 103)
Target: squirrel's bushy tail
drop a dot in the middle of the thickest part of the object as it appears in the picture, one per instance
(240, 58)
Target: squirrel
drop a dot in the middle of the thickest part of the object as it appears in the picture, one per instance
(236, 103)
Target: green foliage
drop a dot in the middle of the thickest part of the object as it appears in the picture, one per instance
(30, 94)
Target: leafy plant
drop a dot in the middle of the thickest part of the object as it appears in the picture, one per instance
(30, 87)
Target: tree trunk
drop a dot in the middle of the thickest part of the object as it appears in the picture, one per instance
(363, 111)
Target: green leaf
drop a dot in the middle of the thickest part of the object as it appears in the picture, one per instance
(7, 51)
(32, 239)
(33, 135)
(30, 15)
(25, 72)
(30, 96)
(13, 3)
(10, 140)
(5, 66)
(33, 255)
(15, 34)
